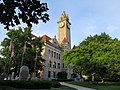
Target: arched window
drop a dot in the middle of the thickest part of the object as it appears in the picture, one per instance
(63, 65)
(54, 74)
(54, 54)
(58, 65)
(50, 63)
(49, 74)
(49, 51)
(57, 55)
(54, 64)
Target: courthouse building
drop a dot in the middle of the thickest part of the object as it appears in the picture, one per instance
(53, 50)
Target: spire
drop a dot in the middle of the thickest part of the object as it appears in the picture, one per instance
(64, 16)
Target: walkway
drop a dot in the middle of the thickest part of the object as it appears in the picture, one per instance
(75, 86)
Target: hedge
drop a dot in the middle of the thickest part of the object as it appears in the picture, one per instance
(20, 84)
(55, 84)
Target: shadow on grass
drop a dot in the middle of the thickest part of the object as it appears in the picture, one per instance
(63, 88)
(6, 88)
(99, 86)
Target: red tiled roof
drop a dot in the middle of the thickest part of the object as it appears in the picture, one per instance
(45, 38)
(65, 40)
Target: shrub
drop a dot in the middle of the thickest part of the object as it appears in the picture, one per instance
(27, 84)
(55, 84)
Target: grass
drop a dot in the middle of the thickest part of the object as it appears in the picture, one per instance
(6, 88)
(99, 86)
(61, 88)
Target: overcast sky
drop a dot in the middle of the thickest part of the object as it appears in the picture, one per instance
(87, 17)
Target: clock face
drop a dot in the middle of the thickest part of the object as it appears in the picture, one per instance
(61, 24)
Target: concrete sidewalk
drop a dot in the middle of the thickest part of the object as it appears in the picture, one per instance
(75, 86)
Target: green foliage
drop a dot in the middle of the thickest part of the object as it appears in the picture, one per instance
(27, 11)
(27, 84)
(30, 84)
(98, 54)
(1, 65)
(55, 84)
(19, 39)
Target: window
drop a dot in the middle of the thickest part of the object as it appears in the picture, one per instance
(49, 51)
(49, 74)
(54, 74)
(59, 56)
(50, 63)
(58, 65)
(63, 65)
(52, 53)
(54, 65)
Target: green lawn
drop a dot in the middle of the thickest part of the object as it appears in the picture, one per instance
(99, 86)
(6, 88)
(61, 88)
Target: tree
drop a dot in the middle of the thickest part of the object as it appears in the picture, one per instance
(1, 66)
(27, 11)
(96, 55)
(27, 50)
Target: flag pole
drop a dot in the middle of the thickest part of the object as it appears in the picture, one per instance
(11, 50)
(24, 51)
(36, 58)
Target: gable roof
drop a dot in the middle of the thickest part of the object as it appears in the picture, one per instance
(45, 38)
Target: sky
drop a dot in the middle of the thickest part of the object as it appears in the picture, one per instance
(87, 17)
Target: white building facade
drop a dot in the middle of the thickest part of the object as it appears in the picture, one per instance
(54, 49)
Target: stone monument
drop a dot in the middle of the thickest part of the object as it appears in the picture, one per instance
(12, 76)
(24, 73)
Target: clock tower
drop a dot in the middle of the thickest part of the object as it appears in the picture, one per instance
(64, 36)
